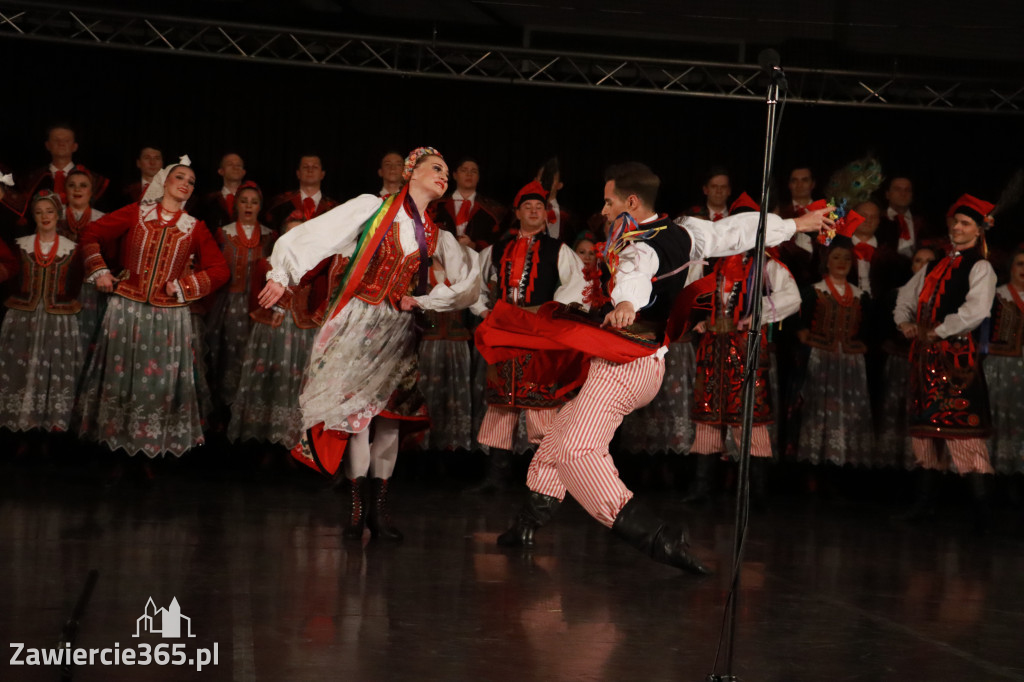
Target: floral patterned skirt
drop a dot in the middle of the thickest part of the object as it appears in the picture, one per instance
(1005, 377)
(200, 353)
(664, 424)
(445, 383)
(363, 363)
(893, 446)
(835, 424)
(94, 304)
(266, 405)
(139, 390)
(41, 359)
(227, 333)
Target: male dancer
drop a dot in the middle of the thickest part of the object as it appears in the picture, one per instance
(646, 266)
(525, 269)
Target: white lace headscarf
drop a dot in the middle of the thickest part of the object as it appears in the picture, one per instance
(155, 191)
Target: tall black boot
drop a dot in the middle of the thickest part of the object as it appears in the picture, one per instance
(926, 489)
(640, 527)
(378, 516)
(981, 491)
(699, 491)
(536, 511)
(498, 462)
(357, 513)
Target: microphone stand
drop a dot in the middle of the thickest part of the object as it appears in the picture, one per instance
(775, 100)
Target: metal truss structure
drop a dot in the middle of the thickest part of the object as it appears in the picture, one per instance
(475, 63)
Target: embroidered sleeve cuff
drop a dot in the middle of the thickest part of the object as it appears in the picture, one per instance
(194, 287)
(92, 278)
(279, 277)
(93, 259)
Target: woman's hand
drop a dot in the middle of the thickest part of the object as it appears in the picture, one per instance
(105, 283)
(408, 303)
(700, 327)
(271, 294)
(172, 288)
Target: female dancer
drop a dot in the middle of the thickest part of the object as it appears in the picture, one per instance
(139, 388)
(835, 425)
(243, 243)
(1004, 371)
(363, 366)
(79, 214)
(266, 406)
(41, 356)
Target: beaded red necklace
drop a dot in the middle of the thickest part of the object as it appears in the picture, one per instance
(173, 220)
(846, 299)
(44, 260)
(248, 242)
(76, 225)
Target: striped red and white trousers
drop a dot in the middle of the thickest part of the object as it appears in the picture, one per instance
(498, 428)
(710, 439)
(574, 454)
(969, 455)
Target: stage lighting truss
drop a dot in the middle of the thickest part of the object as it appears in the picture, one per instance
(997, 93)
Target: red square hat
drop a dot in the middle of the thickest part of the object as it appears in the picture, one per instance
(744, 204)
(973, 207)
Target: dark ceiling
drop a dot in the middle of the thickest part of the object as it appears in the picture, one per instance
(909, 36)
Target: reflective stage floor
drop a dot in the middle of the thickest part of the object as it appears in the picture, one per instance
(830, 590)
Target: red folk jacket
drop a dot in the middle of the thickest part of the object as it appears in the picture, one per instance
(153, 254)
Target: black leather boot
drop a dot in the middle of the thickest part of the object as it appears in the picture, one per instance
(357, 515)
(498, 462)
(378, 516)
(926, 490)
(699, 491)
(537, 511)
(640, 527)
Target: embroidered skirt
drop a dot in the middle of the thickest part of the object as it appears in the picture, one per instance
(266, 406)
(893, 445)
(1005, 377)
(227, 333)
(139, 388)
(835, 424)
(363, 363)
(41, 359)
(445, 382)
(664, 424)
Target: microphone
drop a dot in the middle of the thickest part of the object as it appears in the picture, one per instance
(769, 62)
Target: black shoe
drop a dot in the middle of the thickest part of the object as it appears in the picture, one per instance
(357, 515)
(498, 462)
(378, 516)
(537, 511)
(640, 527)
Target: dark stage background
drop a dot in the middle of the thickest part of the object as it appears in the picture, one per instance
(270, 114)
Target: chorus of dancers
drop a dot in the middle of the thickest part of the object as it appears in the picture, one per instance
(427, 316)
